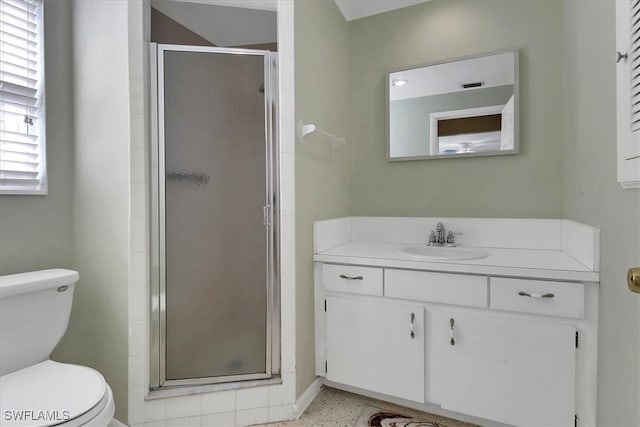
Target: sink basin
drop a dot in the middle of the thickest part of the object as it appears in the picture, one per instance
(439, 253)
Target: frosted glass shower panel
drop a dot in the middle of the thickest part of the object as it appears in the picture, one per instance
(216, 185)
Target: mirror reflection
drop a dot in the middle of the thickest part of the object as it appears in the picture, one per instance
(465, 107)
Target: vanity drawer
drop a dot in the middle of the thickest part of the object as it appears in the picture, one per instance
(565, 299)
(352, 279)
(445, 288)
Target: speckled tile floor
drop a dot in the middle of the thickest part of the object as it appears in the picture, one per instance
(337, 408)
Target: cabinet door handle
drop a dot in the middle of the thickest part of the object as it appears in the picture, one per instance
(412, 320)
(534, 295)
(344, 276)
(452, 340)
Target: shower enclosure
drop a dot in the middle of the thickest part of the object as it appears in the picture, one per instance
(214, 303)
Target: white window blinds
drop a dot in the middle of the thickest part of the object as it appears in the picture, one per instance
(22, 153)
(628, 92)
(635, 65)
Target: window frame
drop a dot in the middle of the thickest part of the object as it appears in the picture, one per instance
(42, 188)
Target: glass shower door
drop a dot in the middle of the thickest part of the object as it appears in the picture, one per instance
(216, 198)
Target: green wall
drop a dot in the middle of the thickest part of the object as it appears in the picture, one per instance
(323, 180)
(98, 330)
(593, 196)
(525, 185)
(83, 222)
(39, 228)
(340, 86)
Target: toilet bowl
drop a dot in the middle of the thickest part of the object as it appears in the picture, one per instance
(36, 391)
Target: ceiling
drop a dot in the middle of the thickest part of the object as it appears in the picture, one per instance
(219, 29)
(222, 25)
(351, 9)
(245, 4)
(355, 9)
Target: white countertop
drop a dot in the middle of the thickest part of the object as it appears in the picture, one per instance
(530, 263)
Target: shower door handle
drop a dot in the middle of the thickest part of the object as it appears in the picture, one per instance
(266, 215)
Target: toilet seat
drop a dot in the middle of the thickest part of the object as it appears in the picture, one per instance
(51, 393)
(99, 416)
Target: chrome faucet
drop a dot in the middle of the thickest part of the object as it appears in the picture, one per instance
(440, 232)
(437, 237)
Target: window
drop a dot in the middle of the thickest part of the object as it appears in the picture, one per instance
(22, 145)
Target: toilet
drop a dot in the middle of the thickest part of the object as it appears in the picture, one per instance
(36, 391)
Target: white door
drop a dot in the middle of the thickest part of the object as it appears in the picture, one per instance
(376, 345)
(508, 369)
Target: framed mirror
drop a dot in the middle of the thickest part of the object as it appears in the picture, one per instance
(460, 108)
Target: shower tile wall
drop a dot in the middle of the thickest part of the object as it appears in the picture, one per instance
(241, 407)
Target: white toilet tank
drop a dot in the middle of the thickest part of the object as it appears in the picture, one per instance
(34, 314)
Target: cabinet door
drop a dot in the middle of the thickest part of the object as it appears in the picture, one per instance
(509, 369)
(370, 345)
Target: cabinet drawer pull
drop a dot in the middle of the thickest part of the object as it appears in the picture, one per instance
(534, 295)
(343, 276)
(412, 319)
(452, 340)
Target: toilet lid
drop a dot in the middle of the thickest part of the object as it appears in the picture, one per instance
(48, 393)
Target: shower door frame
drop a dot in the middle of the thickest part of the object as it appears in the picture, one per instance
(158, 306)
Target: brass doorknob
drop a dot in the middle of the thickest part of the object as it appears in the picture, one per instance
(633, 279)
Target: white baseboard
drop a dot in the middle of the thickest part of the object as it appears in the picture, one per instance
(116, 423)
(307, 397)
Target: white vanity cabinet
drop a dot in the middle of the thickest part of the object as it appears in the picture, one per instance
(502, 348)
(508, 369)
(519, 299)
(376, 345)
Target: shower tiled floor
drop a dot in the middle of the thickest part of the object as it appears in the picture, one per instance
(337, 408)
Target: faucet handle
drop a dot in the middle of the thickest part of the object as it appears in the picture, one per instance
(450, 238)
(432, 237)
